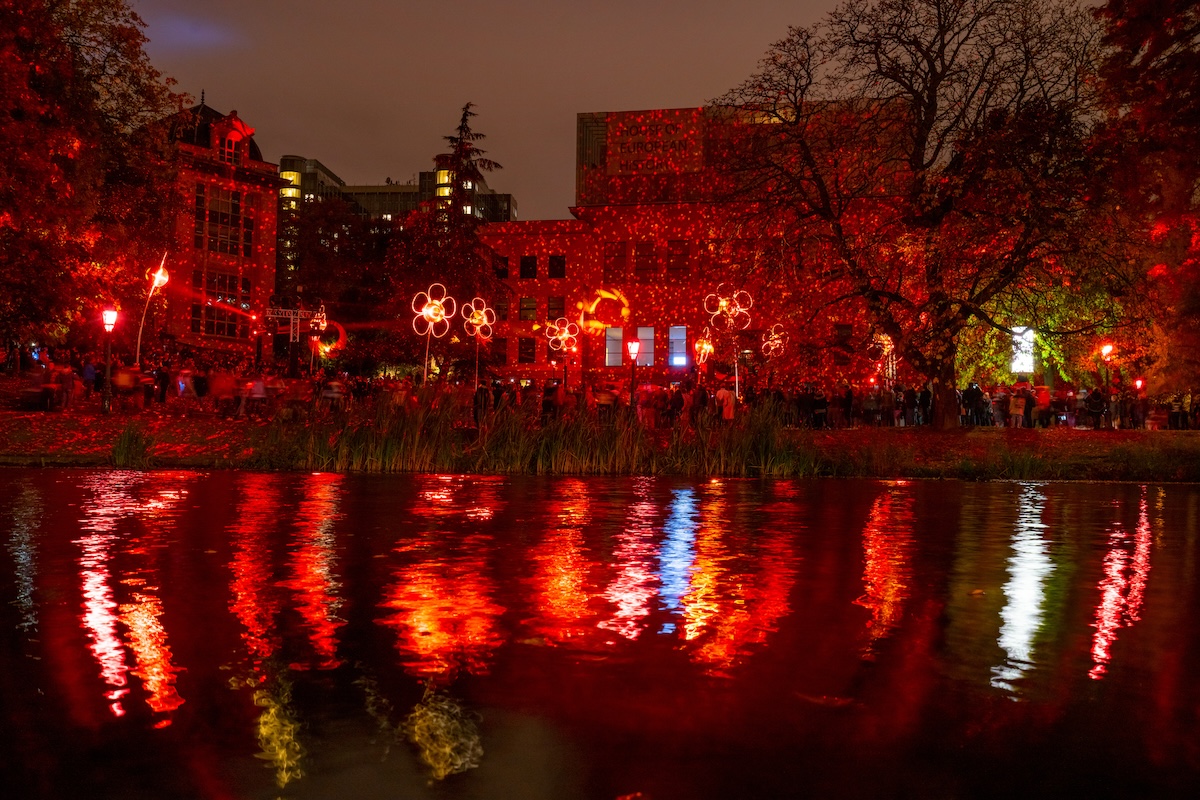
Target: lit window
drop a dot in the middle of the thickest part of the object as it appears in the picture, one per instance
(646, 351)
(443, 191)
(677, 346)
(291, 177)
(614, 347)
(468, 185)
(443, 179)
(289, 191)
(467, 210)
(528, 311)
(387, 217)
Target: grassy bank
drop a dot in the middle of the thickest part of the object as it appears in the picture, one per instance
(378, 439)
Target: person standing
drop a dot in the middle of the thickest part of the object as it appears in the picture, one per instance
(724, 400)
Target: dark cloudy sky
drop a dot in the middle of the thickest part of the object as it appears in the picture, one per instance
(369, 87)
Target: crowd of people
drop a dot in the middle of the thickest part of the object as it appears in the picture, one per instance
(240, 388)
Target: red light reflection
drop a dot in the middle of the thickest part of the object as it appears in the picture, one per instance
(312, 566)
(887, 541)
(1122, 589)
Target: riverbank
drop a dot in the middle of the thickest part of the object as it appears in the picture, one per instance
(377, 439)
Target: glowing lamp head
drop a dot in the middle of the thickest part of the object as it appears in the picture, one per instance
(634, 346)
(110, 319)
(1139, 383)
(160, 277)
(1106, 351)
(433, 311)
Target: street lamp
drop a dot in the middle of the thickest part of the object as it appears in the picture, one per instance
(110, 321)
(1106, 354)
(633, 345)
(158, 280)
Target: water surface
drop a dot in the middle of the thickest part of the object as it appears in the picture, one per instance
(244, 635)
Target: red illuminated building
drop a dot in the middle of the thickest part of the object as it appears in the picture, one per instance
(650, 240)
(224, 266)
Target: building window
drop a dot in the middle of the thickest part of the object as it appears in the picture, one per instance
(558, 267)
(502, 309)
(643, 262)
(614, 347)
(646, 351)
(616, 262)
(677, 346)
(528, 309)
(223, 305)
(677, 258)
(555, 307)
(229, 150)
(500, 351)
(526, 350)
(221, 221)
(500, 266)
(528, 267)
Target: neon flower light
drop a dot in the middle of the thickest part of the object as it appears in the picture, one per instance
(704, 347)
(774, 341)
(563, 334)
(478, 319)
(729, 308)
(433, 308)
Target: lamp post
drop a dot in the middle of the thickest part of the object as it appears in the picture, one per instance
(110, 321)
(1106, 354)
(633, 345)
(158, 280)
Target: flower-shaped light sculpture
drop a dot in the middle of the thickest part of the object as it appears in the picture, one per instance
(729, 308)
(774, 341)
(433, 308)
(704, 346)
(478, 319)
(563, 334)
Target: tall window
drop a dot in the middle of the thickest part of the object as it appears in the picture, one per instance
(614, 347)
(222, 221)
(502, 309)
(222, 306)
(500, 266)
(557, 267)
(528, 267)
(229, 150)
(677, 346)
(555, 307)
(526, 350)
(616, 263)
(643, 262)
(529, 309)
(646, 351)
(677, 258)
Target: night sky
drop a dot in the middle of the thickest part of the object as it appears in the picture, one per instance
(369, 87)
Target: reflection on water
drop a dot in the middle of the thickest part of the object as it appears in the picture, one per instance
(887, 540)
(595, 638)
(440, 594)
(1123, 587)
(1029, 569)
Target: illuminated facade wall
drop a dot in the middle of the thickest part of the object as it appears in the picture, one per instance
(225, 262)
(647, 245)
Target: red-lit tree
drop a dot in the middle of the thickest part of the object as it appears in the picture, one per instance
(85, 189)
(1152, 90)
(929, 161)
(441, 243)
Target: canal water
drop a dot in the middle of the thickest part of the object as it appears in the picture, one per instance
(245, 635)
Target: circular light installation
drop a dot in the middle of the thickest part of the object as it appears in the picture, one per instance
(729, 308)
(774, 341)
